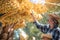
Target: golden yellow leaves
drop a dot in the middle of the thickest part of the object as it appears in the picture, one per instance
(21, 24)
(40, 8)
(13, 19)
(26, 13)
(19, 10)
(9, 7)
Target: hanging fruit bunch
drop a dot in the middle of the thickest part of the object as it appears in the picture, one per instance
(19, 11)
(9, 7)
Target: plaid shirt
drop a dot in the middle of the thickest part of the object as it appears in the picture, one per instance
(55, 32)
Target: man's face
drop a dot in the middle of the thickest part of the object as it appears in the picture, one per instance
(51, 23)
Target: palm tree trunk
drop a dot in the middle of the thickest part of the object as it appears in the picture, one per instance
(7, 32)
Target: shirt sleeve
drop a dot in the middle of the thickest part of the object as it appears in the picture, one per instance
(42, 27)
(59, 35)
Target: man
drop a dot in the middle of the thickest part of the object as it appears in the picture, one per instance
(46, 37)
(51, 27)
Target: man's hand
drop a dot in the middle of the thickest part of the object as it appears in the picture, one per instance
(33, 17)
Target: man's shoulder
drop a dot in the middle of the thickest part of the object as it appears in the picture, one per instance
(58, 29)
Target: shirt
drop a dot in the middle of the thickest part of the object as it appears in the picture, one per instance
(55, 32)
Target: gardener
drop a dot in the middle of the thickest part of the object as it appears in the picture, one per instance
(51, 27)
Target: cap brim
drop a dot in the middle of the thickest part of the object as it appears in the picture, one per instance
(54, 16)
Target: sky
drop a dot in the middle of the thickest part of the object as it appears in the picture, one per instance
(38, 1)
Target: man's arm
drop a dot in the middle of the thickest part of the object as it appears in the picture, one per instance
(42, 27)
(35, 21)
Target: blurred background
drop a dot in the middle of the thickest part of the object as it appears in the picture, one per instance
(19, 10)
